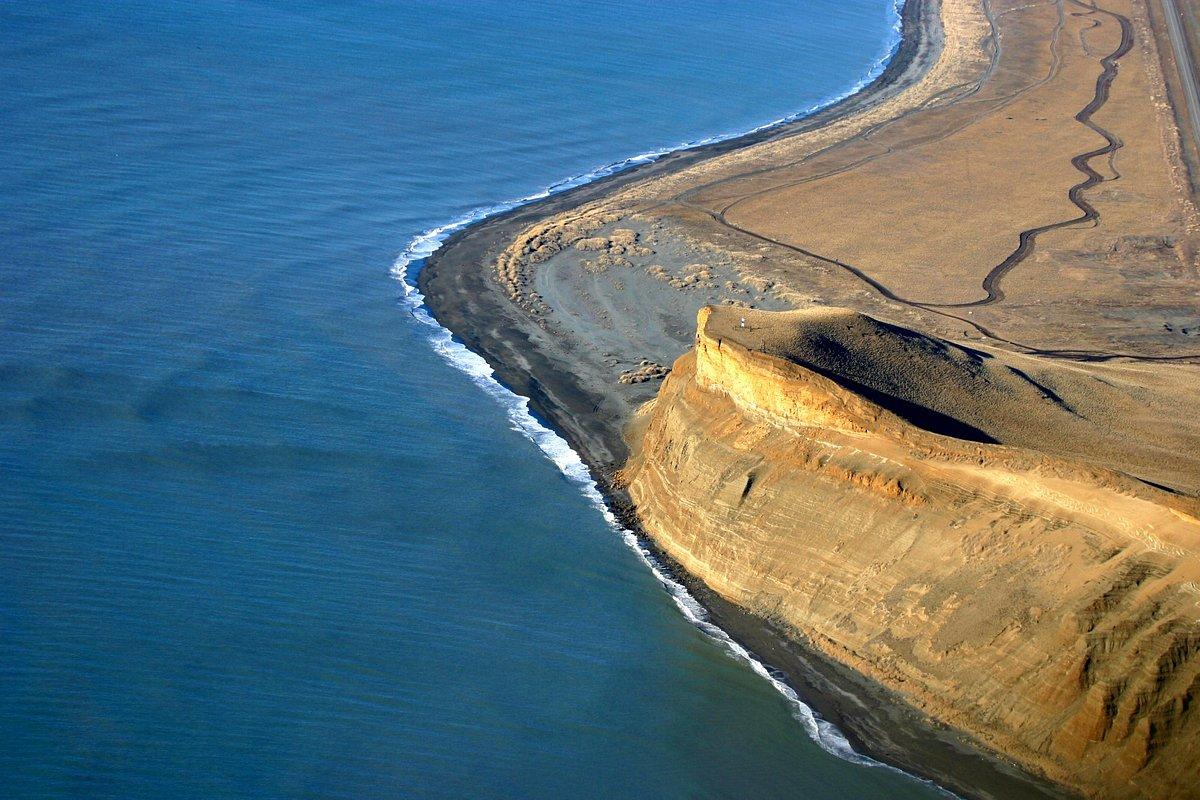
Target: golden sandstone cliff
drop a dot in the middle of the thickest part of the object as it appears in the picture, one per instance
(944, 520)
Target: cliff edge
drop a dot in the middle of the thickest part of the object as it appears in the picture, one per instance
(962, 526)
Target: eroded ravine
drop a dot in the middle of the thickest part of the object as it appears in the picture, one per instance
(1081, 162)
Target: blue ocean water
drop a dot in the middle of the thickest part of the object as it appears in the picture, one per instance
(260, 538)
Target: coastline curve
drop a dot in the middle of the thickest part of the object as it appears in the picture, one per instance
(522, 418)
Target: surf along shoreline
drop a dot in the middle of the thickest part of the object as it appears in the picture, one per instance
(460, 291)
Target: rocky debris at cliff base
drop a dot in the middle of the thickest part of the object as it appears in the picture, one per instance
(646, 371)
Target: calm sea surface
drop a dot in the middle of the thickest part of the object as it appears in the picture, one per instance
(257, 538)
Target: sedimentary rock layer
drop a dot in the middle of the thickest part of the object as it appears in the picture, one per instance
(845, 479)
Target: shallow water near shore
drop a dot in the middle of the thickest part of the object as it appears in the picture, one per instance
(260, 538)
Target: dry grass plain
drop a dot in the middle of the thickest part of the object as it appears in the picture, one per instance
(925, 207)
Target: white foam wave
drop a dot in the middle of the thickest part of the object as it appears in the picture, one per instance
(516, 407)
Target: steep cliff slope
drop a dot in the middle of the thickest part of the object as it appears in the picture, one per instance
(950, 523)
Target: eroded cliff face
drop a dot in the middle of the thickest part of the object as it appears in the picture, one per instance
(1047, 606)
